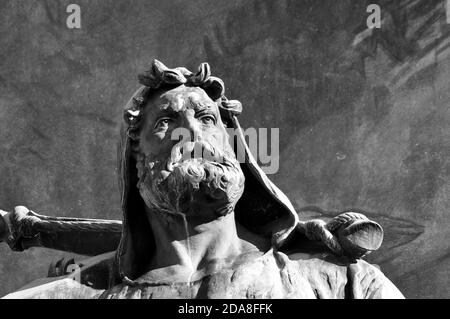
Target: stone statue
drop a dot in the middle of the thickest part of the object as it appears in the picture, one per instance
(190, 228)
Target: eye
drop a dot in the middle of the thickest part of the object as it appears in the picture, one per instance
(163, 123)
(207, 119)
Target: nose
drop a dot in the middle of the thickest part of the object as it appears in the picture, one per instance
(193, 126)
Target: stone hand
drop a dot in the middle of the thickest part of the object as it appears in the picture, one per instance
(350, 234)
(4, 228)
(15, 226)
(22, 229)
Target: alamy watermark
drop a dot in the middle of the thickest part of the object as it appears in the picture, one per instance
(73, 21)
(373, 20)
(256, 145)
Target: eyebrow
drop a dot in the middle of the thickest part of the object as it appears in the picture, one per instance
(166, 112)
(199, 105)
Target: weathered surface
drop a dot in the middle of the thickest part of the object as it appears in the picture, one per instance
(362, 126)
(273, 275)
(22, 229)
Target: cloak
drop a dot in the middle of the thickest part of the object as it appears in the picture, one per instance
(263, 208)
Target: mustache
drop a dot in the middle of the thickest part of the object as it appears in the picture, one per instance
(193, 168)
(196, 150)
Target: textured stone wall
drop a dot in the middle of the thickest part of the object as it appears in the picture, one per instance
(363, 116)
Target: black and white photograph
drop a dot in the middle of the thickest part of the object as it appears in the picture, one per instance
(224, 150)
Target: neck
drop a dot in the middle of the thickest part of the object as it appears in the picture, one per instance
(187, 245)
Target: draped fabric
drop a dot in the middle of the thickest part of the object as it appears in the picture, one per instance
(263, 208)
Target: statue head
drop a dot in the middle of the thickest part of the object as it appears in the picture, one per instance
(184, 162)
(175, 158)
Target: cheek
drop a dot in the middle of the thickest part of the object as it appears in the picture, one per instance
(156, 145)
(220, 140)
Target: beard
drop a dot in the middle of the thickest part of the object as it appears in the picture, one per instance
(187, 185)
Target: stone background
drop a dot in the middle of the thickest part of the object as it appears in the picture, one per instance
(363, 116)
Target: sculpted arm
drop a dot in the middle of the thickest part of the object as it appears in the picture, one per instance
(351, 234)
(22, 229)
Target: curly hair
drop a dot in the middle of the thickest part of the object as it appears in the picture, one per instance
(160, 77)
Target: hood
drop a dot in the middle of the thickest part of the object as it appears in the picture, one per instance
(263, 208)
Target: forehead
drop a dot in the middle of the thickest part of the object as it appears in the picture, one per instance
(180, 99)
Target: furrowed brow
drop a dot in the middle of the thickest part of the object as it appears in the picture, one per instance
(199, 106)
(169, 112)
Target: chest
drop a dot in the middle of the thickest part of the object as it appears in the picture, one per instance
(264, 278)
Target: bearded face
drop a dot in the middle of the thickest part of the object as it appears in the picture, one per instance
(184, 160)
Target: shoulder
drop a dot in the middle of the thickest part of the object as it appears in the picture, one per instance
(65, 288)
(330, 276)
(367, 281)
(88, 280)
